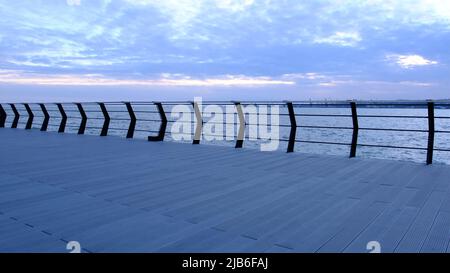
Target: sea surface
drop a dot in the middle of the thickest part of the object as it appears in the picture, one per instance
(148, 123)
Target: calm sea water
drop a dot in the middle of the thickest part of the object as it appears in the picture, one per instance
(391, 138)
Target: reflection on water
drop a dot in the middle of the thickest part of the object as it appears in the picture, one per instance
(148, 120)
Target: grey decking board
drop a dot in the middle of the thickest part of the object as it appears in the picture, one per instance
(446, 204)
(261, 211)
(383, 223)
(396, 232)
(439, 235)
(353, 228)
(418, 231)
(297, 237)
(264, 202)
(304, 214)
(22, 237)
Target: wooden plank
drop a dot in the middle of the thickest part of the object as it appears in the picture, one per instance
(119, 195)
(383, 223)
(439, 235)
(354, 226)
(418, 231)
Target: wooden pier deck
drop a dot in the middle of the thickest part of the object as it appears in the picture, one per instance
(117, 195)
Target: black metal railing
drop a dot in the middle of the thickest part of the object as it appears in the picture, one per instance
(294, 125)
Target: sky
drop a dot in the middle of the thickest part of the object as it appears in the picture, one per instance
(104, 50)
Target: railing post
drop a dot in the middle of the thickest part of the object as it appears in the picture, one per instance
(355, 129)
(293, 132)
(62, 126)
(107, 119)
(30, 116)
(431, 131)
(241, 132)
(46, 117)
(198, 128)
(163, 126)
(16, 116)
(2, 117)
(130, 132)
(83, 119)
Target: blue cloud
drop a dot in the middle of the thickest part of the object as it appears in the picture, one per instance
(353, 46)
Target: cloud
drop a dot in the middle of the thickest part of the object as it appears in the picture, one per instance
(29, 63)
(73, 2)
(340, 39)
(11, 77)
(313, 79)
(234, 5)
(292, 21)
(302, 76)
(284, 40)
(410, 61)
(96, 31)
(179, 15)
